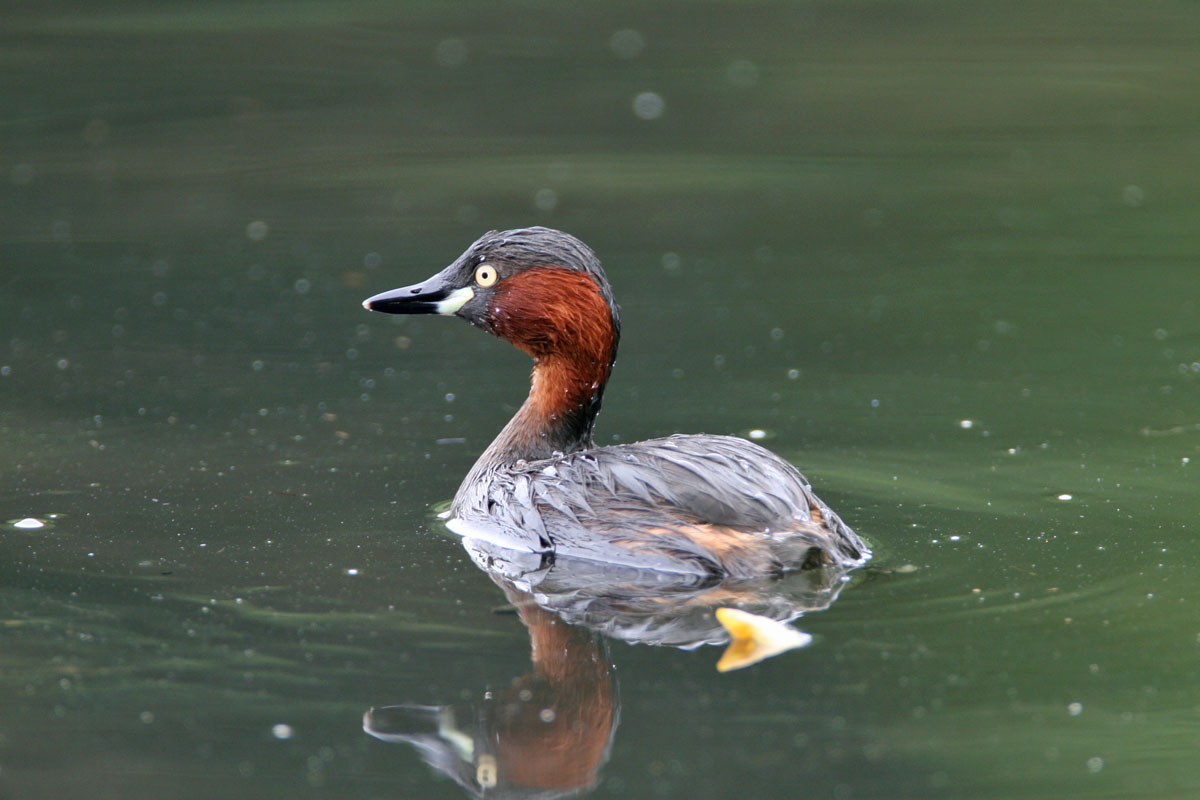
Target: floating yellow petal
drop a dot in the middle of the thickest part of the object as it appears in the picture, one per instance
(754, 638)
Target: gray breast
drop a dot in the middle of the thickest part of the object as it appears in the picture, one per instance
(606, 502)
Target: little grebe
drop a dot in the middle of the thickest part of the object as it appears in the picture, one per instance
(698, 504)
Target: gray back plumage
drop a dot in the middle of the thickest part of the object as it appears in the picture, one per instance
(635, 503)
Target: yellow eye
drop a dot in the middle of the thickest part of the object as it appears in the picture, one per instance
(486, 275)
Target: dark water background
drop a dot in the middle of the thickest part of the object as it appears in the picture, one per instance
(947, 256)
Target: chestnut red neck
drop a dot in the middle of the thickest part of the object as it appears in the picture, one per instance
(561, 319)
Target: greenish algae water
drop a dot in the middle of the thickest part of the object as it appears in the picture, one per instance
(944, 256)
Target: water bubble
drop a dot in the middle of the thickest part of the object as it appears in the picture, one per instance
(648, 105)
(104, 170)
(671, 262)
(5, 371)
(545, 200)
(95, 132)
(1095, 764)
(28, 524)
(451, 52)
(1133, 196)
(793, 374)
(257, 365)
(966, 424)
(302, 286)
(1160, 334)
(757, 433)
(1064, 497)
(282, 731)
(160, 268)
(22, 174)
(626, 43)
(1019, 160)
(372, 260)
(159, 298)
(547, 715)
(257, 230)
(62, 363)
(741, 74)
(1075, 709)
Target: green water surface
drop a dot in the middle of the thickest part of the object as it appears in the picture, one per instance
(945, 256)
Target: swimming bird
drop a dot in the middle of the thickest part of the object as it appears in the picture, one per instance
(713, 506)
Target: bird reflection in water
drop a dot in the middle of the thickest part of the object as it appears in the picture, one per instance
(548, 733)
